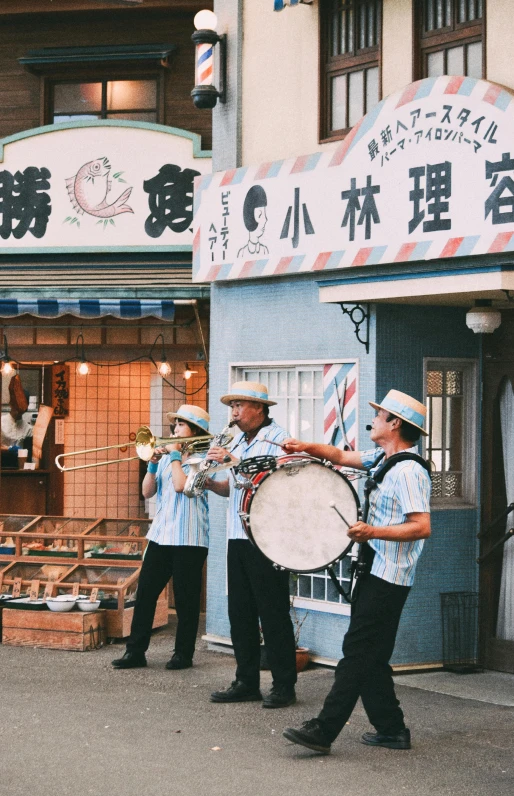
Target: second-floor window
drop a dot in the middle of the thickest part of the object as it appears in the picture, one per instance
(131, 100)
(450, 37)
(351, 33)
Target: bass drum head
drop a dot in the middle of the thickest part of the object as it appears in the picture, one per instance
(291, 520)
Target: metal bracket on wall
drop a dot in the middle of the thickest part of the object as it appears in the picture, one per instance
(359, 316)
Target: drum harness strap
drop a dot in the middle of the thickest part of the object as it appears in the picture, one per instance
(361, 565)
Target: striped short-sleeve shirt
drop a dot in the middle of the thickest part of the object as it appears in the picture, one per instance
(244, 450)
(179, 520)
(405, 489)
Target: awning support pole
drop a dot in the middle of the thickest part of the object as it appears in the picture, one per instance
(200, 330)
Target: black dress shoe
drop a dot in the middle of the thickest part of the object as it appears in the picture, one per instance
(399, 741)
(131, 660)
(179, 662)
(309, 735)
(238, 692)
(280, 696)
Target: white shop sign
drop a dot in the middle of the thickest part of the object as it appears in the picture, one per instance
(428, 173)
(97, 186)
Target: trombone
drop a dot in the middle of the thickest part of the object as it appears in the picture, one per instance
(145, 443)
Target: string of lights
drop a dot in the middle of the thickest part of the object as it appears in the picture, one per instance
(8, 365)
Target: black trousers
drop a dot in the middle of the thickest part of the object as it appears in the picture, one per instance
(364, 671)
(161, 562)
(258, 591)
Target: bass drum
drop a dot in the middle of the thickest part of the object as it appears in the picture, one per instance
(288, 514)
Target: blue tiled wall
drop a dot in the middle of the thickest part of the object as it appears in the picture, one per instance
(405, 336)
(275, 321)
(282, 321)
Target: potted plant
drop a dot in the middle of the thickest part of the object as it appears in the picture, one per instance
(303, 655)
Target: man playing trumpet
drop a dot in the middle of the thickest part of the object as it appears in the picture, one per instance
(178, 542)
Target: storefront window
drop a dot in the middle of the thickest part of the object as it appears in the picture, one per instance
(450, 400)
(132, 100)
(350, 56)
(298, 391)
(450, 37)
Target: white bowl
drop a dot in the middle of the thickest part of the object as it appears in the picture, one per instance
(61, 605)
(87, 605)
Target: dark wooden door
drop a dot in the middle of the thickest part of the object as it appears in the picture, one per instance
(498, 360)
(23, 492)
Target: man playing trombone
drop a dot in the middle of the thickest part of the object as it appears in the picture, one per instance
(178, 542)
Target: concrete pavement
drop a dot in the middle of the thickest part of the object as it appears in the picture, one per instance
(70, 724)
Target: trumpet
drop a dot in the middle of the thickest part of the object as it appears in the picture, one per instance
(146, 443)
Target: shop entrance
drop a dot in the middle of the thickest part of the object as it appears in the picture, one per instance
(497, 547)
(28, 483)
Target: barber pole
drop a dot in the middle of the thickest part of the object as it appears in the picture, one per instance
(204, 64)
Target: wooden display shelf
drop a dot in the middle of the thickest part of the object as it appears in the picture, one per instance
(75, 630)
(71, 567)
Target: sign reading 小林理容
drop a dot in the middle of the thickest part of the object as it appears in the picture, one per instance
(427, 174)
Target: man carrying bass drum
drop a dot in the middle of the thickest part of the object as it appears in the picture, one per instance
(256, 590)
(397, 522)
(178, 542)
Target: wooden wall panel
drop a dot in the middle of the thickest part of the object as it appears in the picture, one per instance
(20, 90)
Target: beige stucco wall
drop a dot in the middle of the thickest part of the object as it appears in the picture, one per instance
(281, 81)
(499, 37)
(397, 67)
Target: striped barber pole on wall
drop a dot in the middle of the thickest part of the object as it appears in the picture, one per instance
(341, 378)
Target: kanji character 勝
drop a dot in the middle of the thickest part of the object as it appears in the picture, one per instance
(496, 201)
(368, 210)
(23, 198)
(170, 200)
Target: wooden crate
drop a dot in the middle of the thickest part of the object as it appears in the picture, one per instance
(118, 621)
(75, 630)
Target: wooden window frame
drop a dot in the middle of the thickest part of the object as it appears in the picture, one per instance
(98, 75)
(331, 66)
(459, 33)
(469, 368)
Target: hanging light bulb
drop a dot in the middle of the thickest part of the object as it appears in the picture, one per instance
(164, 368)
(188, 372)
(7, 368)
(83, 368)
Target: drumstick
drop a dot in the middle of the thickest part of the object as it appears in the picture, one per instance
(333, 506)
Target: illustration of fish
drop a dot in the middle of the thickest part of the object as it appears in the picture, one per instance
(88, 191)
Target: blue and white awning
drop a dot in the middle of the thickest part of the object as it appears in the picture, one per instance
(128, 309)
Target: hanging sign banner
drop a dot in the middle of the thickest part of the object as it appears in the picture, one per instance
(61, 390)
(427, 174)
(97, 186)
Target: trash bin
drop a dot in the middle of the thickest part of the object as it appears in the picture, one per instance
(459, 614)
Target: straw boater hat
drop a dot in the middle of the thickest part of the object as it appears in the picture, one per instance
(248, 391)
(191, 414)
(403, 406)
